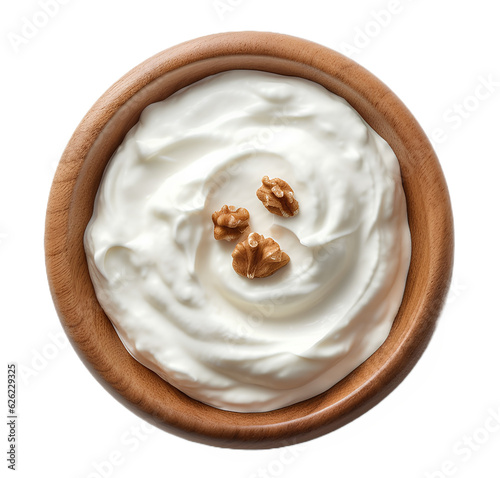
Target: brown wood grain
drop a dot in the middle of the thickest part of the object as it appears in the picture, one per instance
(71, 203)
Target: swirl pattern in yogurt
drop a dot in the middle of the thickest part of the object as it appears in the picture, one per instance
(169, 288)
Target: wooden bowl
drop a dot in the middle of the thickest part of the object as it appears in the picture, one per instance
(71, 203)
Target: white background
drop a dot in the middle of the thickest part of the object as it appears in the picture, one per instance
(434, 55)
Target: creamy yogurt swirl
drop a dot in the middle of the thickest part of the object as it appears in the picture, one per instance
(169, 288)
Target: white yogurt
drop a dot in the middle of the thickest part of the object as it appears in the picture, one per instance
(169, 287)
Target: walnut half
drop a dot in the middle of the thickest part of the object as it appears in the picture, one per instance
(277, 196)
(229, 222)
(258, 257)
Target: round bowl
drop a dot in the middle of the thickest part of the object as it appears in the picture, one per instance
(71, 203)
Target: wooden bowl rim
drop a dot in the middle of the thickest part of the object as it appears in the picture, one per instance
(310, 418)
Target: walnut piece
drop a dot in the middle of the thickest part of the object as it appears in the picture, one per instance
(229, 222)
(258, 257)
(277, 196)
